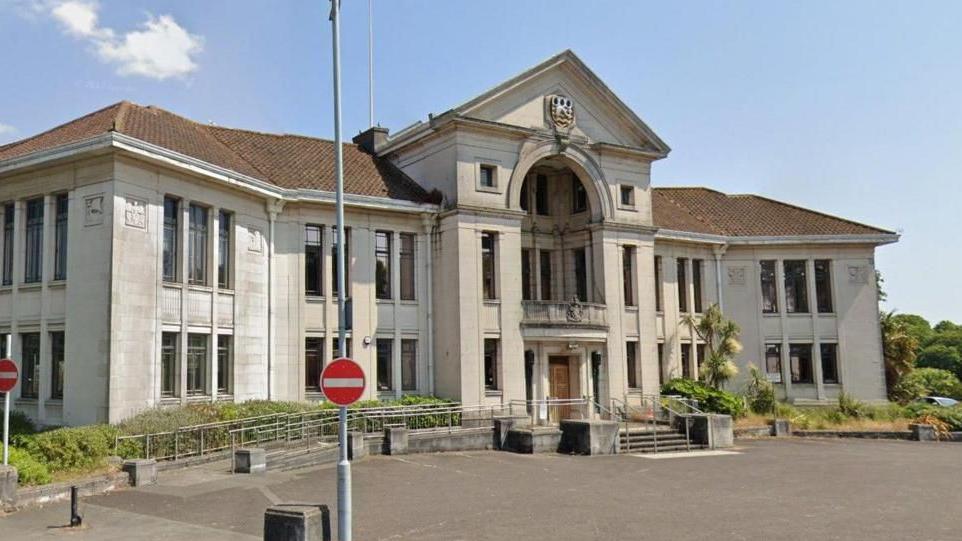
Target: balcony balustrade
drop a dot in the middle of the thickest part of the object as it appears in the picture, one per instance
(574, 314)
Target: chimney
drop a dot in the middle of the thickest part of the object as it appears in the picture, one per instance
(371, 139)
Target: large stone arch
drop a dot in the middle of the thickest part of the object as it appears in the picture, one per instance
(583, 165)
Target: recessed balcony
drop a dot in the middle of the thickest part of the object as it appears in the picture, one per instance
(564, 314)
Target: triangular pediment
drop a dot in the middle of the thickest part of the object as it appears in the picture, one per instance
(599, 115)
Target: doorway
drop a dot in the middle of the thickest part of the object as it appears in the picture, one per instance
(559, 386)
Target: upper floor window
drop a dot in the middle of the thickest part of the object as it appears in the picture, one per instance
(628, 274)
(488, 246)
(541, 195)
(696, 277)
(658, 306)
(579, 196)
(769, 289)
(796, 288)
(581, 274)
(627, 196)
(313, 259)
(406, 257)
(682, 277)
(197, 245)
(545, 264)
(8, 218)
(347, 261)
(60, 239)
(487, 176)
(526, 274)
(171, 225)
(33, 268)
(525, 195)
(823, 285)
(225, 245)
(382, 264)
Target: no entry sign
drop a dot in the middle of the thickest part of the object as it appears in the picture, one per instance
(343, 382)
(8, 375)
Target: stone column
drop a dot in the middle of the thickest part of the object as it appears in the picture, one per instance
(183, 253)
(816, 342)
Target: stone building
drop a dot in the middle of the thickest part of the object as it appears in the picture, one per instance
(509, 248)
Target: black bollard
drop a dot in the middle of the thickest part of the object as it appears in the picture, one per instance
(75, 518)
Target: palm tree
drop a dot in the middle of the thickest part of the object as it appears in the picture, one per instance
(898, 350)
(721, 344)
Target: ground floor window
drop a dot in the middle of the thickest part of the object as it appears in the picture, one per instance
(336, 347)
(491, 364)
(313, 362)
(56, 364)
(829, 362)
(225, 363)
(631, 356)
(773, 363)
(30, 352)
(801, 363)
(197, 346)
(169, 379)
(661, 364)
(385, 353)
(409, 364)
(686, 361)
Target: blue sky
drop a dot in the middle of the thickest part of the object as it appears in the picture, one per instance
(848, 107)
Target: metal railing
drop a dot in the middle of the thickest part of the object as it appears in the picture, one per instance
(551, 411)
(652, 411)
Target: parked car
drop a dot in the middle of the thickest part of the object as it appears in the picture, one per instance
(939, 401)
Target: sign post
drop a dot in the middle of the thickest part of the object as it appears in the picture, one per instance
(8, 380)
(343, 384)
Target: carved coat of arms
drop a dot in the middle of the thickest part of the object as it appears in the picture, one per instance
(576, 311)
(561, 110)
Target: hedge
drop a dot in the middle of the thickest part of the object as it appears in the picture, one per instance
(709, 399)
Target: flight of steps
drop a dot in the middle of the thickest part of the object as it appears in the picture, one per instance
(299, 456)
(642, 439)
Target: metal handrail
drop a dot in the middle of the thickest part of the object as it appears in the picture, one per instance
(657, 403)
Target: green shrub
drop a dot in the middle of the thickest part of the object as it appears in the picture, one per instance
(709, 399)
(848, 406)
(950, 416)
(933, 382)
(759, 393)
(78, 448)
(30, 470)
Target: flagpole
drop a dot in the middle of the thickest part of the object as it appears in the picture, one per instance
(370, 62)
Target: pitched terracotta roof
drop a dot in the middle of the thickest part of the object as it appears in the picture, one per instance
(287, 161)
(701, 210)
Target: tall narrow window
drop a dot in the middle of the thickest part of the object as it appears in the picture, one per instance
(171, 227)
(313, 260)
(491, 364)
(631, 356)
(56, 365)
(347, 261)
(409, 364)
(385, 365)
(541, 196)
(662, 373)
(8, 220)
(525, 195)
(773, 362)
(382, 264)
(581, 274)
(579, 196)
(686, 361)
(796, 287)
(197, 245)
(336, 347)
(169, 363)
(224, 251)
(487, 265)
(60, 239)
(829, 353)
(696, 268)
(313, 362)
(628, 274)
(823, 285)
(33, 268)
(4, 354)
(406, 257)
(700, 354)
(30, 354)
(487, 176)
(526, 274)
(769, 290)
(627, 196)
(658, 305)
(225, 363)
(800, 356)
(197, 346)
(682, 278)
(545, 261)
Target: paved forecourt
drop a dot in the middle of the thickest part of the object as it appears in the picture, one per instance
(787, 490)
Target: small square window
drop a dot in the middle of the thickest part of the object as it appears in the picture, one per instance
(487, 179)
(628, 196)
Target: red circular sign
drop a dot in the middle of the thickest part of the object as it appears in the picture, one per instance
(8, 375)
(343, 381)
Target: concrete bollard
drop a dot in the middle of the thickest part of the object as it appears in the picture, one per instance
(297, 523)
(923, 432)
(142, 472)
(781, 427)
(356, 447)
(8, 486)
(252, 460)
(395, 441)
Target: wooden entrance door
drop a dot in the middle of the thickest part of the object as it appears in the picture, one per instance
(559, 384)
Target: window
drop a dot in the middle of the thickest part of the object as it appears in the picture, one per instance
(823, 285)
(336, 348)
(631, 355)
(541, 195)
(829, 354)
(313, 362)
(628, 274)
(545, 256)
(382, 264)
(796, 290)
(696, 268)
(700, 353)
(4, 354)
(197, 246)
(409, 364)
(487, 265)
(491, 364)
(526, 274)
(579, 196)
(60, 239)
(682, 277)
(581, 274)
(385, 370)
(525, 195)
(225, 363)
(686, 361)
(487, 176)
(313, 260)
(658, 306)
(197, 345)
(33, 268)
(773, 363)
(769, 290)
(627, 196)
(801, 363)
(30, 353)
(56, 364)
(171, 225)
(8, 218)
(661, 364)
(224, 252)
(406, 258)
(169, 362)
(347, 261)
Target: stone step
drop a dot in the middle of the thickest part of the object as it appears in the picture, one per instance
(661, 449)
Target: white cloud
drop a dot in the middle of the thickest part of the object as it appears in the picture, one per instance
(161, 49)
(6, 131)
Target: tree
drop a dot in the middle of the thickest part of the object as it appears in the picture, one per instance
(721, 344)
(917, 326)
(898, 350)
(931, 382)
(879, 282)
(942, 357)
